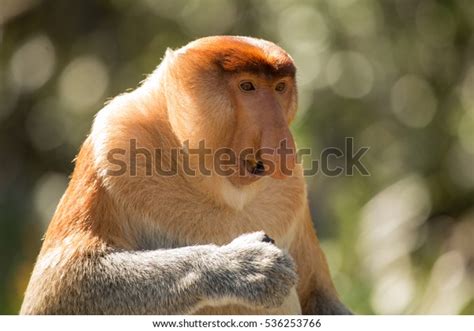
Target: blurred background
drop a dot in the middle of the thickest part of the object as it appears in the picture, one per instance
(397, 75)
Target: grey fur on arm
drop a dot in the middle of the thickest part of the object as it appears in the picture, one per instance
(248, 271)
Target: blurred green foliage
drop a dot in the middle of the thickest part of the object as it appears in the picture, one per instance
(397, 75)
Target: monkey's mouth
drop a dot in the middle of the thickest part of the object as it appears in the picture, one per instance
(248, 172)
(254, 167)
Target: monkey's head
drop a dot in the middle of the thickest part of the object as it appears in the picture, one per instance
(237, 97)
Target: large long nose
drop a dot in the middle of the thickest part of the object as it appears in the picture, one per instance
(277, 146)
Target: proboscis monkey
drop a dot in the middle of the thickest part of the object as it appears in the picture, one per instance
(129, 238)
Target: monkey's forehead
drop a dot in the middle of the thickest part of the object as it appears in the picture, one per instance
(241, 54)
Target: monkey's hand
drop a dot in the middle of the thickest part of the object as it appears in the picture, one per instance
(252, 270)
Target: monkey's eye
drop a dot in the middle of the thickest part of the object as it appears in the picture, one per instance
(247, 86)
(280, 87)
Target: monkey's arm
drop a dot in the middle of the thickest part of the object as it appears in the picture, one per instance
(247, 271)
(316, 290)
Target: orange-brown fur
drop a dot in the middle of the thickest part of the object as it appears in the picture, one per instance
(99, 211)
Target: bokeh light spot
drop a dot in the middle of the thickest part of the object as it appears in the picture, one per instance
(466, 133)
(413, 101)
(33, 63)
(83, 83)
(305, 26)
(350, 74)
(467, 92)
(46, 195)
(394, 290)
